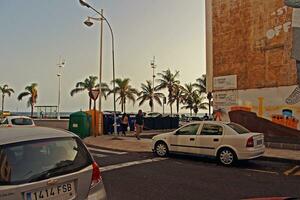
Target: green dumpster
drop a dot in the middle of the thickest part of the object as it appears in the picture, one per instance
(80, 124)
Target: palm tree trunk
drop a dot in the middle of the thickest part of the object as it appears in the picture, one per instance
(177, 106)
(124, 107)
(191, 112)
(171, 108)
(31, 110)
(90, 103)
(2, 103)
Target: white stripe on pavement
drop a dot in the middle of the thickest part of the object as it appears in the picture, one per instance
(98, 155)
(106, 151)
(118, 166)
(262, 171)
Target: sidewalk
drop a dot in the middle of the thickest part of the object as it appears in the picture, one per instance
(130, 143)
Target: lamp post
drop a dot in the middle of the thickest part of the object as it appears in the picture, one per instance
(89, 23)
(60, 65)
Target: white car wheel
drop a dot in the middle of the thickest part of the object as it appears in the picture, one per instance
(161, 149)
(226, 157)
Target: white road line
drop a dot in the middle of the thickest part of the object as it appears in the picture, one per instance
(107, 151)
(98, 155)
(262, 171)
(290, 171)
(118, 166)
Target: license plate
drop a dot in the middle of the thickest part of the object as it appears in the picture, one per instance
(58, 192)
(259, 142)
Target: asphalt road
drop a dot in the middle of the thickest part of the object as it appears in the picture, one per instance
(137, 176)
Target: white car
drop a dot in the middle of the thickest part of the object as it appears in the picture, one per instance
(16, 121)
(39, 163)
(226, 141)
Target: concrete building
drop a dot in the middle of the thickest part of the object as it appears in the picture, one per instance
(249, 66)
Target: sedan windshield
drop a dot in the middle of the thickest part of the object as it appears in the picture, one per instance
(238, 128)
(37, 160)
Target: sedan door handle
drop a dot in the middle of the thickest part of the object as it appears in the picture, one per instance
(216, 140)
(192, 139)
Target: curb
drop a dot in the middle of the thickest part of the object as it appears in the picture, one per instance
(277, 159)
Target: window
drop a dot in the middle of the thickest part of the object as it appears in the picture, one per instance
(212, 129)
(191, 129)
(238, 128)
(21, 121)
(26, 162)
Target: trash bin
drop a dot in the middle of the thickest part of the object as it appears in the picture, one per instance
(80, 124)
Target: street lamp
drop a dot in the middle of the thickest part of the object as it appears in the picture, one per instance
(89, 23)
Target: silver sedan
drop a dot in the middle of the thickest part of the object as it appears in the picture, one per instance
(41, 164)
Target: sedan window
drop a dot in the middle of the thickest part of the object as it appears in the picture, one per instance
(212, 129)
(21, 121)
(238, 128)
(191, 129)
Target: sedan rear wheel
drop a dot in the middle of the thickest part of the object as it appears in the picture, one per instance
(226, 157)
(161, 149)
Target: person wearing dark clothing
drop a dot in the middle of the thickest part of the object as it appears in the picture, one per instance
(124, 123)
(205, 117)
(139, 124)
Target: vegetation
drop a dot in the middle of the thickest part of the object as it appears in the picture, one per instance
(150, 94)
(88, 85)
(5, 90)
(30, 91)
(169, 81)
(124, 91)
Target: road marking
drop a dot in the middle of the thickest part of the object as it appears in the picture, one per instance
(262, 171)
(290, 171)
(106, 151)
(98, 155)
(128, 164)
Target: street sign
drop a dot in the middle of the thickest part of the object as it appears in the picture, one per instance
(94, 94)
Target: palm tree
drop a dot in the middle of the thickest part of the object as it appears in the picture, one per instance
(89, 84)
(177, 97)
(125, 91)
(168, 80)
(201, 88)
(198, 103)
(200, 84)
(150, 94)
(5, 90)
(188, 93)
(30, 91)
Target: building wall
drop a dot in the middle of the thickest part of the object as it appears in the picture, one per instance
(253, 74)
(252, 39)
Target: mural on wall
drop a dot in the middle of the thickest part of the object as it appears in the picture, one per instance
(261, 110)
(295, 4)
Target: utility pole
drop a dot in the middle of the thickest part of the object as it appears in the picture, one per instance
(100, 76)
(153, 66)
(60, 66)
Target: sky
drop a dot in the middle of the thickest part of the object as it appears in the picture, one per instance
(34, 34)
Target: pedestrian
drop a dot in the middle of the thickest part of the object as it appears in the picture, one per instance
(124, 123)
(205, 117)
(139, 124)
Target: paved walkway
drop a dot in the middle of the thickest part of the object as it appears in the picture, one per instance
(144, 145)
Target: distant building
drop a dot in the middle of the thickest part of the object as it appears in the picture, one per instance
(249, 66)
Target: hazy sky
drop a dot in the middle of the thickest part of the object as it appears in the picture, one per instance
(35, 33)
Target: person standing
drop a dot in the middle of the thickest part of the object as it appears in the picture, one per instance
(139, 124)
(124, 123)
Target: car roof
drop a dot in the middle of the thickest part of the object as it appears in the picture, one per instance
(16, 117)
(21, 134)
